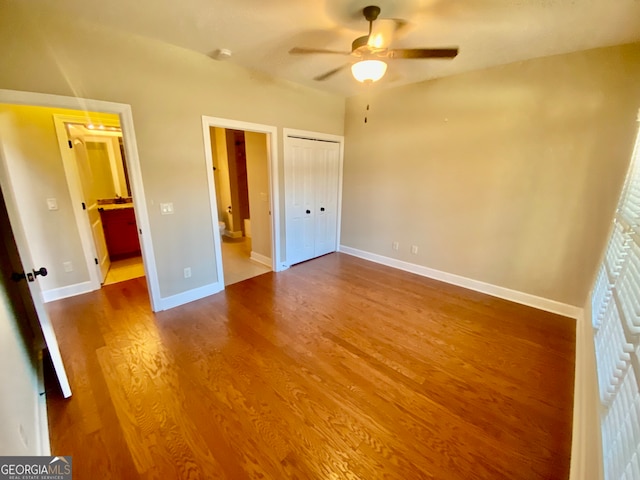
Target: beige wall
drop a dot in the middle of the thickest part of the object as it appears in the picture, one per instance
(259, 198)
(169, 89)
(508, 176)
(32, 155)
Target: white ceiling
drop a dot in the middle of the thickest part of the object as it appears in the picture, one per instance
(261, 32)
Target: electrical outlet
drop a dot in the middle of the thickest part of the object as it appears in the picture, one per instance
(395, 245)
(187, 272)
(414, 249)
(68, 266)
(166, 208)
(52, 203)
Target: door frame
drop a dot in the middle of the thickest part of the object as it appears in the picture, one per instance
(288, 134)
(272, 167)
(133, 165)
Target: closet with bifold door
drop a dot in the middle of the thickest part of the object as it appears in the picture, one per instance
(312, 190)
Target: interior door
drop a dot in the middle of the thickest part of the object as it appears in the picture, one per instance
(326, 169)
(312, 170)
(21, 262)
(93, 167)
(300, 201)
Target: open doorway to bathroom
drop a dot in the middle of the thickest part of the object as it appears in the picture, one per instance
(50, 201)
(63, 166)
(96, 157)
(242, 186)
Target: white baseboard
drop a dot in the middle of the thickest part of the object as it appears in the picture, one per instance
(264, 260)
(478, 286)
(44, 446)
(190, 296)
(68, 291)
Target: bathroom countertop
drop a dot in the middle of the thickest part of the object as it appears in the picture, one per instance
(115, 206)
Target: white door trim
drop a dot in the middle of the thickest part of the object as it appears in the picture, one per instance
(272, 160)
(287, 133)
(133, 166)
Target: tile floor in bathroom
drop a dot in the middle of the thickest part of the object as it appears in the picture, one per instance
(125, 269)
(236, 259)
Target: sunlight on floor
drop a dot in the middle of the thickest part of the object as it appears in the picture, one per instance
(236, 260)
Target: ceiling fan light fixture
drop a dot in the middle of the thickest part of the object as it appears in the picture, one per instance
(382, 33)
(368, 70)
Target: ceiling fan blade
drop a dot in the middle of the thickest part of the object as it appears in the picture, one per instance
(330, 73)
(304, 51)
(423, 53)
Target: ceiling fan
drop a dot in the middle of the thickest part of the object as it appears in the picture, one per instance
(373, 49)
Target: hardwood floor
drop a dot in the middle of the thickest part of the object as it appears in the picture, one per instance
(336, 368)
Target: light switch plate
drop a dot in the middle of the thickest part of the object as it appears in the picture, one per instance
(166, 208)
(52, 203)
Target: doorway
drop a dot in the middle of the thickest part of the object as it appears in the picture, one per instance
(241, 157)
(241, 179)
(93, 153)
(60, 232)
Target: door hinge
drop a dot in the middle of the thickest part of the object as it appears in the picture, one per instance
(70, 144)
(84, 207)
(96, 260)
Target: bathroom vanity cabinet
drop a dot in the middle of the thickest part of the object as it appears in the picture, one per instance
(120, 232)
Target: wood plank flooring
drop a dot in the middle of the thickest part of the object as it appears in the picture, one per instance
(336, 368)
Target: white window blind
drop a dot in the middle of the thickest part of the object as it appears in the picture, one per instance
(616, 322)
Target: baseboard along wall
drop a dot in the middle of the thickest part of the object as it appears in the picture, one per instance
(476, 285)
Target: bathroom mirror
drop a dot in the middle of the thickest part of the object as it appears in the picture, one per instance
(105, 164)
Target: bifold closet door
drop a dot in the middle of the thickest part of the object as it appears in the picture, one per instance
(312, 169)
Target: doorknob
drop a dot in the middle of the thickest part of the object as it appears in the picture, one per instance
(308, 212)
(42, 271)
(16, 277)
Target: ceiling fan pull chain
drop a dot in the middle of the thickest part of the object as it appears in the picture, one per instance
(366, 119)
